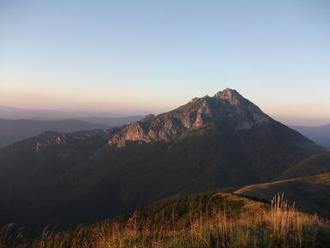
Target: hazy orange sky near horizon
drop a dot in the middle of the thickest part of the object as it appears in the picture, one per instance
(289, 112)
(150, 56)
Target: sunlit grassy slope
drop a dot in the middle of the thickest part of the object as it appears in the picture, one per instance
(311, 194)
(199, 220)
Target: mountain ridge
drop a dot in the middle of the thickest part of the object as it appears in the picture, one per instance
(13, 130)
(199, 112)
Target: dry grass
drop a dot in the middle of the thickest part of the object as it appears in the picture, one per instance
(11, 236)
(279, 225)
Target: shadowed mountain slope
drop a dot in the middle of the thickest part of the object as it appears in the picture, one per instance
(311, 194)
(313, 165)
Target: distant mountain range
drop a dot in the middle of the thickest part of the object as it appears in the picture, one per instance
(320, 135)
(12, 130)
(209, 143)
(90, 120)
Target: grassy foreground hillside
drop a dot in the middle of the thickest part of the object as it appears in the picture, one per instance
(311, 194)
(199, 220)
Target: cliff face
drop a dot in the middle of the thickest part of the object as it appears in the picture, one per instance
(226, 106)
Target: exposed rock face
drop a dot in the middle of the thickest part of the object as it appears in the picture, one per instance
(226, 106)
(232, 96)
(51, 138)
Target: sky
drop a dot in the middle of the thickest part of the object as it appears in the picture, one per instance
(152, 56)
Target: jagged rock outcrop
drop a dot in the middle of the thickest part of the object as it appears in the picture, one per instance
(226, 106)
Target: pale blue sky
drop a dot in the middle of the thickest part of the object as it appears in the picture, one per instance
(154, 55)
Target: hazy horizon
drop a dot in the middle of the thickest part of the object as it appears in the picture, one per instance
(58, 114)
(150, 57)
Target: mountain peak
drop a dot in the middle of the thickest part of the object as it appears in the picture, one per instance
(227, 107)
(229, 95)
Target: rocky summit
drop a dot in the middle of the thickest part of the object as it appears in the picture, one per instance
(226, 107)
